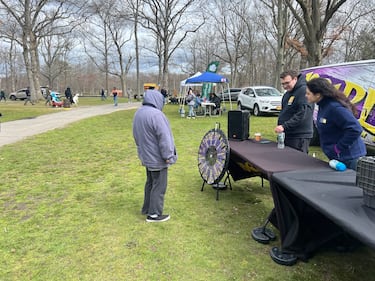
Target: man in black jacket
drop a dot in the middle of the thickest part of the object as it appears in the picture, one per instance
(28, 96)
(295, 118)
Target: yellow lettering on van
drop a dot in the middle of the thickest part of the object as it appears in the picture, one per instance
(367, 106)
(311, 75)
(360, 91)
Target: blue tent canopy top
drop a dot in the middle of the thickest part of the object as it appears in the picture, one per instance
(208, 77)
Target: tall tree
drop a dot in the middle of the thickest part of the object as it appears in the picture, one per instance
(231, 22)
(314, 20)
(35, 19)
(170, 23)
(53, 51)
(280, 21)
(135, 7)
(107, 47)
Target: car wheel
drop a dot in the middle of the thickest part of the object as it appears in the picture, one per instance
(256, 110)
(239, 106)
(12, 98)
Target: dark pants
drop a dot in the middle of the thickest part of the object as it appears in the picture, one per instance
(28, 99)
(300, 144)
(155, 188)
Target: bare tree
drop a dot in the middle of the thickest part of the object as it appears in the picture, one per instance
(169, 22)
(34, 19)
(277, 30)
(106, 48)
(314, 18)
(198, 51)
(12, 57)
(53, 51)
(134, 7)
(231, 21)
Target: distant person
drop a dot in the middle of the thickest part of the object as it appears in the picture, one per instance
(165, 95)
(102, 94)
(2, 95)
(190, 100)
(115, 94)
(295, 118)
(156, 150)
(69, 95)
(216, 100)
(198, 100)
(28, 96)
(173, 99)
(48, 97)
(338, 128)
(197, 103)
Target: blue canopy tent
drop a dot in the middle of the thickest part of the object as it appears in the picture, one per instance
(207, 77)
(210, 77)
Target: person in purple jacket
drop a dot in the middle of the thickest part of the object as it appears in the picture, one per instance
(156, 150)
(338, 128)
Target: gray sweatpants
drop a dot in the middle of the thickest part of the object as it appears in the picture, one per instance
(155, 188)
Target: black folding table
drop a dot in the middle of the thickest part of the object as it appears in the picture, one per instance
(313, 203)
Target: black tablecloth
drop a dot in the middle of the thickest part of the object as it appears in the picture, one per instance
(249, 158)
(313, 203)
(313, 207)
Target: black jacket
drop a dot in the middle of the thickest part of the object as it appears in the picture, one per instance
(296, 113)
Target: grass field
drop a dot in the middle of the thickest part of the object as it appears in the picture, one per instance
(70, 210)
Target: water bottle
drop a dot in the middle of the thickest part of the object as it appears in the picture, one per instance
(280, 140)
(182, 112)
(337, 165)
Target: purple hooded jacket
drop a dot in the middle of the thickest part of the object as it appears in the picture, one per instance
(152, 133)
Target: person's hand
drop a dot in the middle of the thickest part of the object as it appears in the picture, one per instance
(279, 129)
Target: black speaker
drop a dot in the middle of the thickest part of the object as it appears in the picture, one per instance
(238, 124)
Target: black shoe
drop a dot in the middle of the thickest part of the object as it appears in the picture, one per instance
(160, 218)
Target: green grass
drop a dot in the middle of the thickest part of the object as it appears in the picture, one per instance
(70, 210)
(15, 110)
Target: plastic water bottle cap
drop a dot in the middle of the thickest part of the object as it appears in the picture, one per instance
(337, 165)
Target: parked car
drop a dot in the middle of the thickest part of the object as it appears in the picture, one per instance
(21, 94)
(233, 92)
(18, 95)
(260, 100)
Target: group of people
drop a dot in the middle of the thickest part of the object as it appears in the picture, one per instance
(338, 127)
(194, 101)
(336, 122)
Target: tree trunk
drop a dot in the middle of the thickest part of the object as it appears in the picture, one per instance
(281, 28)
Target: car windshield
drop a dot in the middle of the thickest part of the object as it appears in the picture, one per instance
(268, 92)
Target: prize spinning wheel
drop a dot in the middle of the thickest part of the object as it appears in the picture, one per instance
(213, 156)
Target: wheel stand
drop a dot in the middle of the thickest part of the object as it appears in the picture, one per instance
(263, 234)
(220, 185)
(280, 257)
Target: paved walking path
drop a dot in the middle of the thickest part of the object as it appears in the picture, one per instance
(13, 131)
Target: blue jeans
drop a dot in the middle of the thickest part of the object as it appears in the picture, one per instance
(115, 100)
(191, 111)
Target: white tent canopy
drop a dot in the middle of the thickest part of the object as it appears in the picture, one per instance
(183, 82)
(185, 86)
